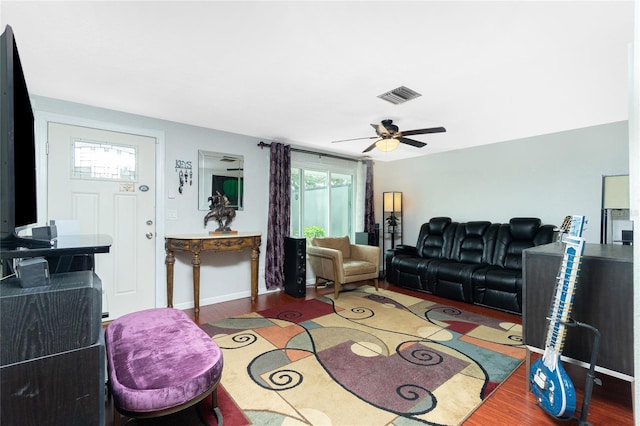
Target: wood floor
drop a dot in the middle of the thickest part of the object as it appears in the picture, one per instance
(511, 404)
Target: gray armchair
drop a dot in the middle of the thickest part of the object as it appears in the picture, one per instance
(337, 260)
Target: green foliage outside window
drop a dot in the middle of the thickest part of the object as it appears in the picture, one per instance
(313, 232)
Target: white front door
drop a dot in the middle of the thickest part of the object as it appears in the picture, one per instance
(105, 181)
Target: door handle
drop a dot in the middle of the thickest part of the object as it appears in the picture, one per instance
(149, 235)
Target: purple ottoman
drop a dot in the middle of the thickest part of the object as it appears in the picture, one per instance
(160, 362)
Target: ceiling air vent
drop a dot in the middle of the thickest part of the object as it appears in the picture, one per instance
(399, 95)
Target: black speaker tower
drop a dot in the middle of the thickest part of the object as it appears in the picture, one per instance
(295, 270)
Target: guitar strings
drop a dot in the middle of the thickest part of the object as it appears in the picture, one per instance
(563, 300)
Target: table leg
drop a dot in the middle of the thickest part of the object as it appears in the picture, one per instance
(170, 260)
(255, 255)
(195, 260)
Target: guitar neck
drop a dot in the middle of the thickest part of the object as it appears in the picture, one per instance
(562, 304)
(549, 382)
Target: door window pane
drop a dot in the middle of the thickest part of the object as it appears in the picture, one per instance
(103, 161)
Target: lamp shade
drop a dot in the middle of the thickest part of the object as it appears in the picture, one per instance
(392, 201)
(397, 201)
(387, 145)
(616, 192)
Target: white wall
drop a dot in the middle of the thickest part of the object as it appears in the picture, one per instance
(230, 278)
(634, 188)
(223, 276)
(548, 176)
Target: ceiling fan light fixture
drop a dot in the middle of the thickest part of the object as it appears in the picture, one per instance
(386, 145)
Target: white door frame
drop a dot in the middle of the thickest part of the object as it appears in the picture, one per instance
(42, 120)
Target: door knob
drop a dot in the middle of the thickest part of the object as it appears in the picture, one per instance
(149, 235)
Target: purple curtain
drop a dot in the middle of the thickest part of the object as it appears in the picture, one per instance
(279, 214)
(369, 214)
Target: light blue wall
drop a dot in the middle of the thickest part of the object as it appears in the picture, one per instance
(230, 279)
(548, 176)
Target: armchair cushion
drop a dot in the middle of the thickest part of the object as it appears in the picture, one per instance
(339, 243)
(358, 267)
(367, 254)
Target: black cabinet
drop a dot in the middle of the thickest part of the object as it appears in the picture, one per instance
(603, 299)
(369, 238)
(295, 266)
(66, 253)
(52, 360)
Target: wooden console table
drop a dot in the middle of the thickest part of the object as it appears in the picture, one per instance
(196, 243)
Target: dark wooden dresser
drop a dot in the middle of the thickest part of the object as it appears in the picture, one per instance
(52, 362)
(52, 356)
(603, 299)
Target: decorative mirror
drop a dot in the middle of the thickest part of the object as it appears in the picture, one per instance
(223, 173)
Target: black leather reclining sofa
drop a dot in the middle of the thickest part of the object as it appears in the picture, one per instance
(477, 262)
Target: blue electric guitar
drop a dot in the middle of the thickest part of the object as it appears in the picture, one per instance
(549, 382)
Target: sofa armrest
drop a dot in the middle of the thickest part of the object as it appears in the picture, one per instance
(405, 249)
(326, 262)
(369, 254)
(325, 252)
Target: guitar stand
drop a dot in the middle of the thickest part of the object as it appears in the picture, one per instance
(591, 379)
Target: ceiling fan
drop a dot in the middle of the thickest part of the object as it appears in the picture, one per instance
(389, 137)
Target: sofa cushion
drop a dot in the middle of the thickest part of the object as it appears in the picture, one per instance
(435, 238)
(434, 242)
(474, 242)
(338, 243)
(524, 228)
(438, 224)
(503, 300)
(513, 238)
(412, 271)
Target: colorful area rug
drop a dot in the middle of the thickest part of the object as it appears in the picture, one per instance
(368, 358)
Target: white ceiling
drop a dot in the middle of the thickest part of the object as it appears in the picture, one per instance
(308, 73)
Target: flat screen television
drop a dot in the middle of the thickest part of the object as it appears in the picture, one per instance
(18, 199)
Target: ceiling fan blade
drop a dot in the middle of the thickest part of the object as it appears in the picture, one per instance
(424, 131)
(355, 139)
(411, 142)
(373, 145)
